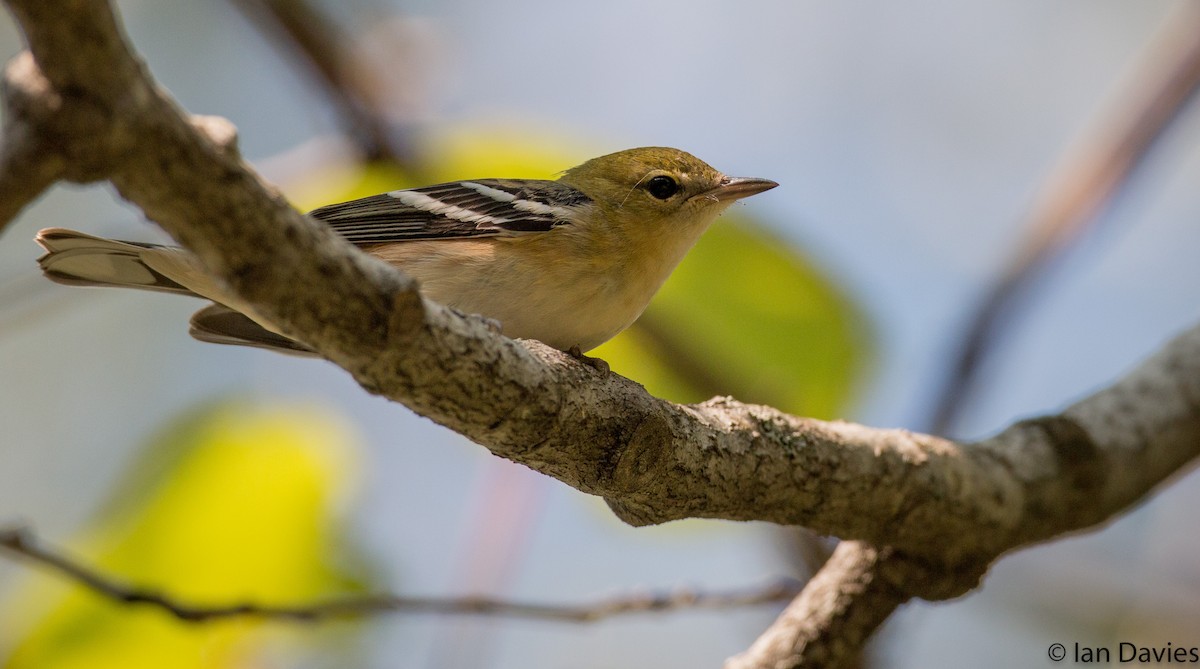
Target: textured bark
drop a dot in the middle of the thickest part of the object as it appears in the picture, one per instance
(827, 625)
(81, 106)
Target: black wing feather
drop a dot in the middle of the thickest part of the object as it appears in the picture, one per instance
(481, 208)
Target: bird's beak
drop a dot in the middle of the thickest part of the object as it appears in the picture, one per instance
(736, 188)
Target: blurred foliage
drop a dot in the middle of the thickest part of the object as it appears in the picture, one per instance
(744, 315)
(748, 316)
(233, 504)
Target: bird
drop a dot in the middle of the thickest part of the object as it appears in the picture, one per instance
(570, 262)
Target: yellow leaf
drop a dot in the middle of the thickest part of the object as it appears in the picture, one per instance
(748, 316)
(237, 504)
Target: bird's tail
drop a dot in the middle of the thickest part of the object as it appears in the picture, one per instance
(76, 259)
(218, 324)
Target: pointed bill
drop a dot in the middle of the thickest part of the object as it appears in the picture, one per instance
(736, 188)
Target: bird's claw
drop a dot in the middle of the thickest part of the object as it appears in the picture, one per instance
(595, 363)
(493, 325)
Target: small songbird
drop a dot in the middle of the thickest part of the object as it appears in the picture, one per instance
(570, 262)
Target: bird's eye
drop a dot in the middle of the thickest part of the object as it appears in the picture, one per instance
(662, 187)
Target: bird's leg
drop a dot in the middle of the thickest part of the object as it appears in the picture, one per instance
(493, 325)
(595, 363)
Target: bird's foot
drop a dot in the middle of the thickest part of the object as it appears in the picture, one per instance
(492, 324)
(595, 363)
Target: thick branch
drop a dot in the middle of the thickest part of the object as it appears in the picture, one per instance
(945, 510)
(24, 174)
(653, 460)
(827, 625)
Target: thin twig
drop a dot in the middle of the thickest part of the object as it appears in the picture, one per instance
(950, 509)
(343, 77)
(21, 541)
(1075, 196)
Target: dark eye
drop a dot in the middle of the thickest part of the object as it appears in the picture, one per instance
(662, 187)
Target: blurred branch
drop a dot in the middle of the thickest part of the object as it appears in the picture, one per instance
(944, 510)
(652, 460)
(347, 80)
(20, 185)
(1075, 196)
(22, 542)
(804, 548)
(24, 172)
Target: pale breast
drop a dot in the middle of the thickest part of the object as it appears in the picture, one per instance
(537, 287)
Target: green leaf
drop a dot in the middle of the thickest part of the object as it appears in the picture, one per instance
(747, 316)
(744, 314)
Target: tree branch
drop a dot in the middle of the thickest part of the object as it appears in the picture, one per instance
(1075, 196)
(350, 84)
(827, 625)
(24, 174)
(22, 542)
(945, 510)
(653, 460)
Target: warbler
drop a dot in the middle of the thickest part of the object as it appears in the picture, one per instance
(570, 262)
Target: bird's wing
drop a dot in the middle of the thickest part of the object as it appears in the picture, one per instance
(458, 209)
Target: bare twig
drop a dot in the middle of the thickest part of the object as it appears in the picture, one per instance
(344, 77)
(1075, 196)
(22, 542)
(654, 461)
(944, 509)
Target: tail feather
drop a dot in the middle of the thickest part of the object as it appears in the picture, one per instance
(218, 324)
(76, 259)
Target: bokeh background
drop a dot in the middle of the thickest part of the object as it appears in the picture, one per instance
(910, 139)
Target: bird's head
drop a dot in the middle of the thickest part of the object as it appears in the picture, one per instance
(656, 183)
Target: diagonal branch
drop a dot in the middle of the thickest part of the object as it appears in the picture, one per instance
(944, 510)
(22, 542)
(1075, 197)
(602, 434)
(29, 160)
(349, 83)
(828, 624)
(24, 174)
